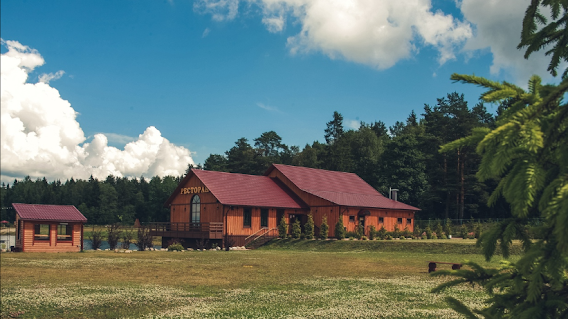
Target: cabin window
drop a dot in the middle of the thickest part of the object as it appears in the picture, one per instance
(264, 218)
(409, 221)
(381, 220)
(351, 219)
(41, 231)
(64, 231)
(399, 220)
(247, 217)
(196, 209)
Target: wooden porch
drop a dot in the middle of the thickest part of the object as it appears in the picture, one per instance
(211, 230)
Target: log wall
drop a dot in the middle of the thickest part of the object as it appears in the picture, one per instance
(28, 243)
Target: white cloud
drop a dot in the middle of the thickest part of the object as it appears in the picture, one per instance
(40, 135)
(220, 10)
(352, 124)
(498, 25)
(206, 32)
(46, 77)
(378, 33)
(267, 107)
(118, 138)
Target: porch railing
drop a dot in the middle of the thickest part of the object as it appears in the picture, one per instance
(210, 230)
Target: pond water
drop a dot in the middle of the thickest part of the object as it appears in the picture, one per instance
(87, 245)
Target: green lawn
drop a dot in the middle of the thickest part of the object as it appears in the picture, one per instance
(286, 279)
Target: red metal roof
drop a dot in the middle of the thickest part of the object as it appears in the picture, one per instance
(248, 190)
(61, 213)
(345, 189)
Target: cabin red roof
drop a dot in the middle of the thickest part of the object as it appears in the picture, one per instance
(247, 190)
(60, 213)
(345, 189)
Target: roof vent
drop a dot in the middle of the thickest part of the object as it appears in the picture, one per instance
(393, 194)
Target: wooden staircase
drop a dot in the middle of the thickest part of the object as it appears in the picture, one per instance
(260, 238)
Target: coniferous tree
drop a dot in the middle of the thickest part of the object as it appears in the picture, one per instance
(324, 228)
(340, 228)
(309, 227)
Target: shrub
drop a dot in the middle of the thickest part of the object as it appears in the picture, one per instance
(428, 232)
(96, 238)
(448, 227)
(434, 236)
(296, 229)
(309, 227)
(113, 236)
(282, 227)
(402, 237)
(372, 232)
(388, 237)
(352, 234)
(382, 233)
(417, 231)
(406, 232)
(176, 247)
(463, 231)
(144, 238)
(478, 230)
(364, 237)
(324, 228)
(438, 229)
(443, 237)
(396, 232)
(127, 239)
(360, 231)
(339, 228)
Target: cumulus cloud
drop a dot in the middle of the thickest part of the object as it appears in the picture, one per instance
(352, 124)
(498, 29)
(378, 33)
(40, 135)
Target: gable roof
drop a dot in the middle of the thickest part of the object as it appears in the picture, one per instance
(244, 190)
(60, 213)
(345, 189)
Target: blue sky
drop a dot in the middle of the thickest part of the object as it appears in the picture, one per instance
(205, 73)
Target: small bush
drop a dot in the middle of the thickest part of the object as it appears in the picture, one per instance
(372, 232)
(360, 231)
(340, 228)
(176, 247)
(144, 238)
(382, 233)
(309, 227)
(402, 237)
(282, 227)
(96, 238)
(127, 239)
(443, 237)
(364, 237)
(417, 231)
(448, 227)
(296, 229)
(434, 236)
(388, 237)
(438, 229)
(352, 234)
(428, 232)
(463, 231)
(478, 230)
(324, 228)
(406, 232)
(396, 232)
(113, 235)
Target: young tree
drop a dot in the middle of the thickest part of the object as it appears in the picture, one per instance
(309, 227)
(282, 227)
(296, 229)
(324, 228)
(340, 228)
(528, 152)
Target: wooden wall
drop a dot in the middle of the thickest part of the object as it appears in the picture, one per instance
(180, 209)
(27, 243)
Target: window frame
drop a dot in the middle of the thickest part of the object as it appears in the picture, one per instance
(247, 217)
(37, 232)
(381, 220)
(68, 236)
(351, 218)
(409, 221)
(399, 220)
(195, 214)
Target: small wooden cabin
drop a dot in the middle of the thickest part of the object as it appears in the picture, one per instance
(216, 206)
(48, 228)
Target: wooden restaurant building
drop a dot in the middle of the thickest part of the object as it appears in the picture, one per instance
(48, 228)
(218, 206)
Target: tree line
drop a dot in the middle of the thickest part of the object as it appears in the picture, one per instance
(404, 156)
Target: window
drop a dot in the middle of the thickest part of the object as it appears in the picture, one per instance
(264, 218)
(247, 216)
(399, 221)
(381, 220)
(196, 209)
(351, 219)
(64, 231)
(409, 221)
(41, 231)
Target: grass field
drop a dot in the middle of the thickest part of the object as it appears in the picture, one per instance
(285, 279)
